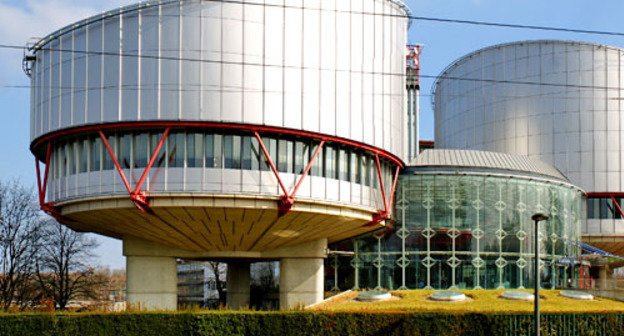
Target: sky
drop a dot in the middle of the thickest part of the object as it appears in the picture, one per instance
(21, 20)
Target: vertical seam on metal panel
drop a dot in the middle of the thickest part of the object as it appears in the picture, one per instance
(243, 66)
(139, 62)
(120, 68)
(159, 66)
(180, 61)
(283, 90)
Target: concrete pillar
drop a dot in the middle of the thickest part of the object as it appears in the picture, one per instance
(604, 277)
(152, 282)
(301, 282)
(238, 279)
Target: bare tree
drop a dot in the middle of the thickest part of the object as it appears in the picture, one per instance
(219, 271)
(19, 243)
(64, 268)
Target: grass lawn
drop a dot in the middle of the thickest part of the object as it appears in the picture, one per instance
(478, 301)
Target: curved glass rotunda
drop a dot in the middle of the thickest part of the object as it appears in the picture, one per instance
(463, 221)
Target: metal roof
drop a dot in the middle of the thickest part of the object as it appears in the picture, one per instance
(449, 158)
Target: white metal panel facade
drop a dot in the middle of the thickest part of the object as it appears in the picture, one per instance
(556, 101)
(334, 67)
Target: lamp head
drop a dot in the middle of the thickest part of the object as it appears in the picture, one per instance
(540, 216)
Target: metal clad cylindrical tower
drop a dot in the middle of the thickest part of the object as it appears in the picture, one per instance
(191, 107)
(557, 101)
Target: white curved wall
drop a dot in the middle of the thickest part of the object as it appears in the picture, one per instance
(577, 123)
(314, 65)
(574, 121)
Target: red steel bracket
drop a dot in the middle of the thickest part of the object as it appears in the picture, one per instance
(617, 205)
(384, 214)
(288, 199)
(137, 196)
(47, 207)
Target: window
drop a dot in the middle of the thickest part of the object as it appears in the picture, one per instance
(232, 151)
(343, 165)
(330, 162)
(194, 150)
(96, 154)
(317, 165)
(271, 147)
(604, 208)
(108, 160)
(302, 155)
(213, 150)
(285, 156)
(251, 153)
(83, 156)
(124, 151)
(175, 148)
(71, 159)
(160, 158)
(364, 179)
(354, 168)
(139, 148)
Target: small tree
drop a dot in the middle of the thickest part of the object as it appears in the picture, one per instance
(219, 271)
(64, 268)
(19, 243)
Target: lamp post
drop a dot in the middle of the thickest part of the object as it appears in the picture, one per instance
(537, 217)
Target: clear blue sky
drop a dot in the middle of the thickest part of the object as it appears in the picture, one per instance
(22, 19)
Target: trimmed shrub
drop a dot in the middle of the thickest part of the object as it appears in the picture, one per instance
(306, 323)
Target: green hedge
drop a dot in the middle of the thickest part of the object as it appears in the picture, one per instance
(305, 323)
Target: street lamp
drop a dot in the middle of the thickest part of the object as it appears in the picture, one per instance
(537, 217)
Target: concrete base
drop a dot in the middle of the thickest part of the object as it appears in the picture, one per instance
(152, 282)
(238, 279)
(301, 282)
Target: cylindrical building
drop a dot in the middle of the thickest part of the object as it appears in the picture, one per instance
(211, 129)
(557, 101)
(463, 221)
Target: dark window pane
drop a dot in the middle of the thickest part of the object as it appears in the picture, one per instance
(285, 156)
(83, 156)
(96, 154)
(108, 160)
(175, 147)
(354, 166)
(271, 146)
(140, 150)
(71, 159)
(302, 154)
(232, 151)
(247, 155)
(343, 165)
(317, 165)
(194, 150)
(160, 158)
(256, 154)
(124, 150)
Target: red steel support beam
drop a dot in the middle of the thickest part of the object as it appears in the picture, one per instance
(381, 183)
(47, 207)
(119, 170)
(394, 184)
(152, 160)
(617, 205)
(307, 169)
(270, 161)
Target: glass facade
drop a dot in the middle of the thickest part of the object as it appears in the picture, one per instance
(187, 149)
(463, 231)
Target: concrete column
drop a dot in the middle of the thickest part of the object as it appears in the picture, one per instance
(301, 282)
(152, 282)
(238, 279)
(604, 277)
